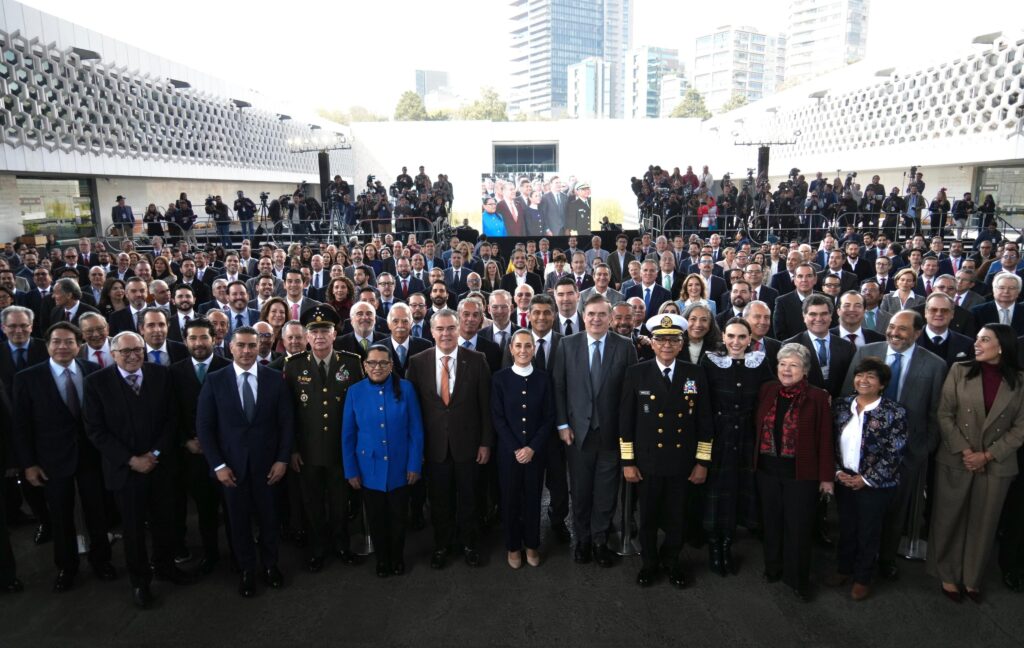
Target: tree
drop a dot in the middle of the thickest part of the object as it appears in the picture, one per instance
(410, 107)
(489, 107)
(353, 114)
(691, 105)
(442, 114)
(737, 100)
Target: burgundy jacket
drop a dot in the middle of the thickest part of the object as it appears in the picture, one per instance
(815, 458)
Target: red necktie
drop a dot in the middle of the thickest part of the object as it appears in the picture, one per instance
(757, 345)
(853, 338)
(99, 358)
(522, 320)
(928, 287)
(295, 311)
(405, 288)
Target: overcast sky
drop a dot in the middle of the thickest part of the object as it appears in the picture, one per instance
(339, 54)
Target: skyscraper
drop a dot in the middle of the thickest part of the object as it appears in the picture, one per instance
(618, 40)
(824, 35)
(738, 60)
(589, 89)
(645, 67)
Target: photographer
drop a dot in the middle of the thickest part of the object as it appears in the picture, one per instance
(878, 188)
(403, 181)
(870, 208)
(245, 209)
(217, 210)
(422, 181)
(340, 187)
(892, 207)
(185, 219)
(298, 213)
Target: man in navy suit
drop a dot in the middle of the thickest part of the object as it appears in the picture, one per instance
(653, 294)
(52, 448)
(405, 283)
(1004, 309)
(239, 314)
(245, 424)
(455, 276)
(121, 214)
(938, 337)
(401, 343)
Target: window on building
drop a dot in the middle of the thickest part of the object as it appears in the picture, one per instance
(525, 158)
(62, 207)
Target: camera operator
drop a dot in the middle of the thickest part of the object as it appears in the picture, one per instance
(892, 207)
(348, 214)
(298, 211)
(800, 189)
(870, 208)
(245, 209)
(846, 209)
(216, 209)
(422, 181)
(404, 212)
(917, 180)
(727, 203)
(878, 188)
(403, 181)
(340, 187)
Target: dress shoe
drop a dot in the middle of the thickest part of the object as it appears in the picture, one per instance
(974, 595)
(859, 592)
(382, 569)
(142, 597)
(207, 565)
(315, 564)
(104, 571)
(676, 578)
(515, 559)
(437, 559)
(728, 564)
(43, 534)
(472, 557)
(346, 556)
(247, 584)
(837, 579)
(583, 554)
(273, 577)
(65, 581)
(12, 586)
(398, 568)
(772, 576)
(715, 556)
(174, 575)
(888, 570)
(560, 531)
(952, 595)
(645, 577)
(603, 556)
(533, 558)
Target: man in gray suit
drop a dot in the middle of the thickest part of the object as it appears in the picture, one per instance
(588, 371)
(602, 281)
(917, 377)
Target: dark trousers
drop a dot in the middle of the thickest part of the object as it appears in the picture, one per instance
(861, 514)
(386, 514)
(556, 478)
(206, 493)
(1011, 526)
(662, 502)
(452, 484)
(788, 507)
(147, 498)
(288, 499)
(899, 508)
(253, 498)
(595, 484)
(325, 496)
(418, 494)
(60, 497)
(521, 486)
(8, 572)
(15, 494)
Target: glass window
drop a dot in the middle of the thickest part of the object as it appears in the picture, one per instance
(525, 158)
(59, 207)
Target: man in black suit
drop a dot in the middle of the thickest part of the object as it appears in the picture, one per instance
(847, 279)
(121, 215)
(455, 276)
(855, 263)
(732, 305)
(68, 304)
(669, 276)
(830, 354)
(471, 317)
(35, 298)
(520, 275)
(618, 261)
(188, 376)
(1004, 309)
(788, 319)
(130, 319)
(188, 278)
(552, 208)
(182, 312)
(364, 333)
(56, 455)
(8, 570)
(653, 294)
(246, 426)
(405, 283)
(754, 274)
(129, 418)
(962, 321)
(159, 349)
(851, 321)
(938, 336)
(401, 343)
(784, 280)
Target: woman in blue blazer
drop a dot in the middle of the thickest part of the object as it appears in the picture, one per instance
(871, 432)
(523, 412)
(382, 450)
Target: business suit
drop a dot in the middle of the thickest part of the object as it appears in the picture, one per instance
(967, 506)
(123, 320)
(782, 282)
(194, 471)
(767, 295)
(249, 449)
(175, 352)
(954, 348)
(8, 569)
(961, 322)
(48, 433)
(413, 345)
(869, 335)
(124, 425)
(970, 299)
(553, 206)
(788, 316)
(492, 352)
(840, 353)
(658, 296)
(590, 410)
(847, 280)
(920, 396)
(414, 286)
(200, 290)
(58, 314)
(453, 435)
(891, 302)
(509, 282)
(619, 268)
(348, 343)
(513, 226)
(988, 313)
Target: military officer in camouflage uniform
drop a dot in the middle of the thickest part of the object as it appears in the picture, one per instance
(319, 380)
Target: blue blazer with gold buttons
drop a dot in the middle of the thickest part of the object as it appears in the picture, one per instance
(382, 436)
(522, 410)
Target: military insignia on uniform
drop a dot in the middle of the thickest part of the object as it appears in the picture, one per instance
(342, 376)
(305, 372)
(304, 397)
(690, 387)
(666, 321)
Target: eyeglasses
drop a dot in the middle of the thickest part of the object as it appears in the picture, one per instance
(377, 364)
(264, 336)
(129, 352)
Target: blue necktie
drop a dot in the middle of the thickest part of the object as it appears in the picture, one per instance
(417, 330)
(155, 356)
(248, 398)
(822, 353)
(892, 390)
(647, 299)
(468, 345)
(238, 321)
(19, 358)
(201, 373)
(400, 350)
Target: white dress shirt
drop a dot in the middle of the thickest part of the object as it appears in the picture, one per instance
(851, 438)
(252, 371)
(439, 368)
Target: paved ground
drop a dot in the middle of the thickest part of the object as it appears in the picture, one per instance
(559, 603)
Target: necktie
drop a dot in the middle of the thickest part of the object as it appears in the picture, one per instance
(579, 283)
(501, 339)
(133, 381)
(138, 321)
(187, 320)
(445, 380)
(545, 258)
(365, 343)
(869, 319)
(928, 287)
(595, 369)
(522, 320)
(958, 298)
(417, 330)
(852, 337)
(881, 284)
(405, 288)
(757, 345)
(295, 311)
(667, 282)
(67, 316)
(155, 356)
(248, 398)
(238, 321)
(892, 390)
(467, 345)
(457, 274)
(71, 394)
(937, 340)
(322, 366)
(541, 359)
(668, 376)
(400, 350)
(316, 280)
(647, 299)
(201, 373)
(1004, 316)
(20, 358)
(822, 353)
(98, 356)
(568, 327)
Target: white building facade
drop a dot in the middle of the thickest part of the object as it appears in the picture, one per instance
(645, 68)
(823, 35)
(738, 61)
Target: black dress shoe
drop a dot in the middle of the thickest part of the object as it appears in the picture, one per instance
(974, 595)
(43, 534)
(772, 576)
(274, 578)
(437, 559)
(142, 597)
(383, 571)
(315, 564)
(676, 578)
(247, 584)
(104, 571)
(583, 554)
(398, 568)
(65, 580)
(888, 570)
(603, 556)
(346, 556)
(645, 578)
(13, 586)
(472, 557)
(207, 565)
(174, 575)
(560, 531)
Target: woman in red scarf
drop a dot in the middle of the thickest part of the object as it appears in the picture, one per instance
(794, 462)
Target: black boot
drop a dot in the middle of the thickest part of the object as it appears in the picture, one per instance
(728, 564)
(715, 555)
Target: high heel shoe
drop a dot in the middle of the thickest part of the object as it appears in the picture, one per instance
(952, 595)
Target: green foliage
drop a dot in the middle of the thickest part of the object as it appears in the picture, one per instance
(691, 105)
(737, 100)
(410, 107)
(489, 107)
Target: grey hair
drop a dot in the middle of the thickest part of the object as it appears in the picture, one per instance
(12, 310)
(794, 349)
(115, 343)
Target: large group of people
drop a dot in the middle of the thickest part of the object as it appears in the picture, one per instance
(723, 386)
